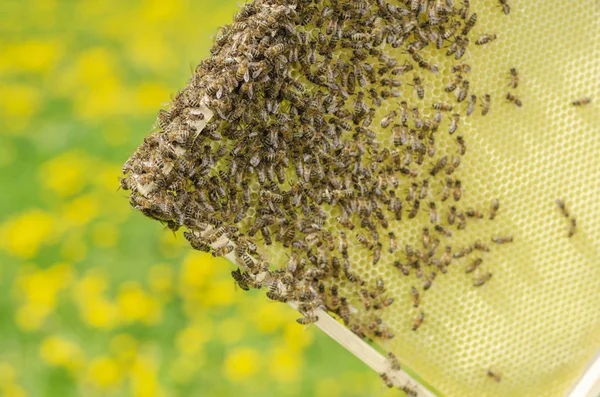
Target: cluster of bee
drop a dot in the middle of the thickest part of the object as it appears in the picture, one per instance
(272, 147)
(514, 83)
(565, 212)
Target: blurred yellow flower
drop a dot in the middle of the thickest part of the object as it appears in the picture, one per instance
(42, 285)
(73, 247)
(285, 364)
(184, 368)
(19, 100)
(219, 293)
(7, 374)
(231, 330)
(241, 363)
(124, 348)
(104, 372)
(328, 388)
(160, 280)
(298, 337)
(136, 305)
(61, 352)
(144, 382)
(33, 55)
(30, 317)
(99, 312)
(13, 391)
(65, 174)
(196, 271)
(81, 210)
(149, 96)
(91, 285)
(105, 234)
(269, 316)
(23, 235)
(189, 341)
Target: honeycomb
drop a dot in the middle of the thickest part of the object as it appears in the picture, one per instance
(536, 322)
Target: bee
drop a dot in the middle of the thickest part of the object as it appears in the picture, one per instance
(581, 101)
(197, 243)
(563, 208)
(266, 235)
(414, 210)
(462, 221)
(416, 298)
(335, 301)
(505, 6)
(343, 244)
(433, 213)
(457, 190)
(239, 279)
(494, 208)
(386, 379)
(418, 321)
(572, 227)
(417, 118)
(445, 193)
(393, 242)
(473, 265)
(377, 253)
(364, 241)
(402, 267)
(447, 256)
(424, 189)
(270, 196)
(419, 87)
(463, 252)
(486, 104)
(453, 165)
(461, 67)
(428, 66)
(471, 105)
(514, 78)
(393, 361)
(514, 99)
(462, 147)
(452, 215)
(426, 238)
(464, 91)
(307, 320)
(387, 120)
(502, 239)
(474, 213)
(222, 251)
(403, 112)
(412, 192)
(439, 165)
(445, 232)
(482, 280)
(445, 107)
(453, 84)
(493, 374)
(486, 38)
(469, 24)
(478, 245)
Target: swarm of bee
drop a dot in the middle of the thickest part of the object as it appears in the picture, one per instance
(309, 131)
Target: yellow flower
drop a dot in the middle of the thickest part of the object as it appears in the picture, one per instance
(149, 96)
(99, 312)
(269, 316)
(23, 235)
(196, 271)
(285, 364)
(297, 337)
(241, 363)
(104, 372)
(34, 55)
(136, 305)
(65, 174)
(231, 330)
(219, 293)
(13, 391)
(189, 341)
(73, 247)
(184, 369)
(60, 352)
(81, 210)
(124, 347)
(160, 280)
(328, 388)
(7, 374)
(144, 382)
(92, 285)
(30, 317)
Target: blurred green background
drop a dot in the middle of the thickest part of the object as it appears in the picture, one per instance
(95, 299)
